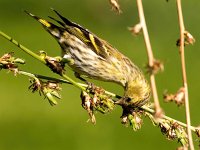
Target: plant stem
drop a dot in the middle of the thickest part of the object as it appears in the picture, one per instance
(25, 49)
(183, 67)
(145, 108)
(158, 109)
(73, 82)
(28, 51)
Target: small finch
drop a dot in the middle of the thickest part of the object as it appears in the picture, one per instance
(94, 57)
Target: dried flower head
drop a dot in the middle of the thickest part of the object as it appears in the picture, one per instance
(132, 117)
(180, 133)
(94, 99)
(49, 89)
(178, 97)
(188, 39)
(156, 67)
(87, 102)
(135, 30)
(7, 61)
(35, 85)
(54, 63)
(198, 131)
(173, 131)
(115, 6)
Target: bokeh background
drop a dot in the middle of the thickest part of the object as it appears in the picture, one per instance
(27, 121)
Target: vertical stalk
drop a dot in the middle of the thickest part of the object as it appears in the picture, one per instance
(183, 68)
(158, 109)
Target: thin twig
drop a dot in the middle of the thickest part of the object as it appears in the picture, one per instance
(84, 86)
(145, 108)
(22, 47)
(41, 59)
(183, 67)
(158, 109)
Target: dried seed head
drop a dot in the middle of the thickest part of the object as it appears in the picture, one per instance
(6, 56)
(157, 67)
(101, 101)
(181, 134)
(54, 63)
(35, 85)
(124, 120)
(135, 30)
(115, 6)
(85, 100)
(132, 117)
(173, 131)
(178, 97)
(135, 120)
(168, 97)
(53, 85)
(7, 61)
(188, 39)
(49, 89)
(164, 126)
(198, 131)
(94, 99)
(87, 105)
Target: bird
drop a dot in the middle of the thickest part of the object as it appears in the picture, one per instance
(95, 58)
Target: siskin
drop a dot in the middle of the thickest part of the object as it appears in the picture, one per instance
(97, 59)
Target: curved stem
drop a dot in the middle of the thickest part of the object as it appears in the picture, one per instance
(145, 108)
(34, 55)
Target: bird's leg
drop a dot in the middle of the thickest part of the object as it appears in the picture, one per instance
(77, 75)
(90, 86)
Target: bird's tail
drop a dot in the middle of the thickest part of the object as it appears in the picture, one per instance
(53, 29)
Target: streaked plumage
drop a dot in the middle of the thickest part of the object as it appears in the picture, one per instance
(97, 59)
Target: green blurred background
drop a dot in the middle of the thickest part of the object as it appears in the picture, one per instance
(27, 121)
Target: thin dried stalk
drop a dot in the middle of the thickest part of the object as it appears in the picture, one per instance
(182, 54)
(158, 109)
